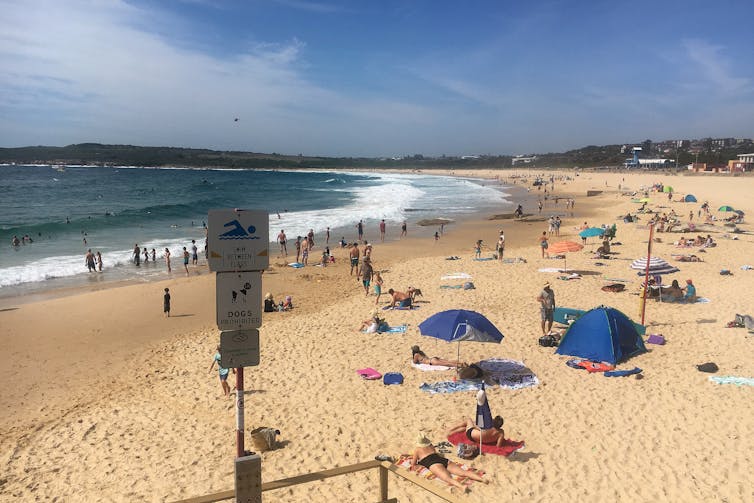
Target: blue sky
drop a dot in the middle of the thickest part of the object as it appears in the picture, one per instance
(373, 78)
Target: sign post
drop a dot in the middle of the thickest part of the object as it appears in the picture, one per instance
(238, 251)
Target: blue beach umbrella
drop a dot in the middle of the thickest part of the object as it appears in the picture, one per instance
(456, 325)
(591, 232)
(726, 208)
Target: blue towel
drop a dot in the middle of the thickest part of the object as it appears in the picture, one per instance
(621, 373)
(398, 308)
(738, 381)
(393, 330)
(485, 259)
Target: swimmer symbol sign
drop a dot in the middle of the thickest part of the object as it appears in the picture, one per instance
(238, 240)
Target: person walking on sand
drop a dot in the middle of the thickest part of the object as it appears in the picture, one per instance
(327, 236)
(543, 244)
(382, 230)
(546, 299)
(194, 253)
(404, 231)
(221, 371)
(167, 259)
(500, 246)
(354, 256)
(377, 286)
(366, 274)
(360, 229)
(305, 251)
(99, 261)
(185, 260)
(166, 303)
(281, 243)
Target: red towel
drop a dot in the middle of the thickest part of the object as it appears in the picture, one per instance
(508, 447)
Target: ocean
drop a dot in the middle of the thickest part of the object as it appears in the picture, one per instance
(67, 210)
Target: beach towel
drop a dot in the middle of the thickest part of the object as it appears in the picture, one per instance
(508, 447)
(550, 269)
(702, 300)
(570, 277)
(746, 267)
(405, 461)
(508, 374)
(592, 367)
(296, 265)
(622, 373)
(399, 308)
(450, 386)
(456, 275)
(451, 287)
(616, 279)
(738, 381)
(429, 368)
(453, 258)
(514, 260)
(393, 330)
(484, 259)
(369, 374)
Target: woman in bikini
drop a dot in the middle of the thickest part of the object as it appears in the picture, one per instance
(426, 456)
(418, 356)
(494, 435)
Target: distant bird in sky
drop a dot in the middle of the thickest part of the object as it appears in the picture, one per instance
(235, 120)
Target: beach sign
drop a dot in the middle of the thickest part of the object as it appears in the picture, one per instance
(239, 300)
(238, 240)
(239, 348)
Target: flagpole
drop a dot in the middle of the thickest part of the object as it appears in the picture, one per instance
(646, 273)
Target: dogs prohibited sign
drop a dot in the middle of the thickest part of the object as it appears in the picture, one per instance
(239, 348)
(239, 300)
(238, 240)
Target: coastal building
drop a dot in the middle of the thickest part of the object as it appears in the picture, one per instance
(744, 163)
(520, 159)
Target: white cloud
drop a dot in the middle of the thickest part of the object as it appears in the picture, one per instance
(115, 82)
(714, 67)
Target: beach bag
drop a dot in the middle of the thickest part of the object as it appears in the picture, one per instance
(264, 439)
(548, 341)
(392, 378)
(709, 367)
(656, 339)
(467, 451)
(469, 286)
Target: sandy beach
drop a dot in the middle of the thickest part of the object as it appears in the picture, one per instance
(106, 400)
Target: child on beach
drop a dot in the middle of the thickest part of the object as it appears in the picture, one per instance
(543, 244)
(166, 303)
(478, 249)
(221, 372)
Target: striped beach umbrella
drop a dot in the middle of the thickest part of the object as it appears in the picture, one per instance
(657, 266)
(564, 247)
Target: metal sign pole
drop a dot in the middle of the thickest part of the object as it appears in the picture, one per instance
(239, 413)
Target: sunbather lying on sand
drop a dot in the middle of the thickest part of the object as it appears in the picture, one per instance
(425, 455)
(494, 435)
(418, 356)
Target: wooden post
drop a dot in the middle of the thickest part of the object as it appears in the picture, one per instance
(646, 273)
(383, 484)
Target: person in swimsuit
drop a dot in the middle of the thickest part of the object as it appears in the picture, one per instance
(400, 299)
(494, 435)
(418, 356)
(425, 455)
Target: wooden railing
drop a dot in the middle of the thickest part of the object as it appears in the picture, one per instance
(385, 468)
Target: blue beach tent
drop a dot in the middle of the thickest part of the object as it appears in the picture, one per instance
(602, 334)
(689, 198)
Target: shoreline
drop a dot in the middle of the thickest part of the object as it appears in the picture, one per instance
(122, 398)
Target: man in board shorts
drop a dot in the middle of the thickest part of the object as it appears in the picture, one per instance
(354, 255)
